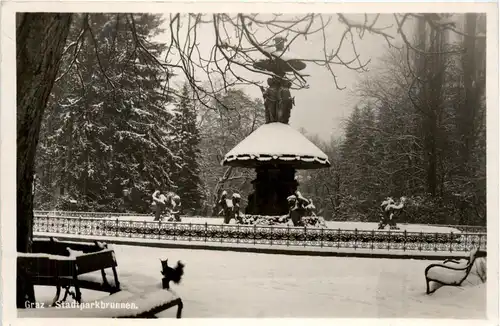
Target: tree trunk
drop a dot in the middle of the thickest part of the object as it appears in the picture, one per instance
(430, 69)
(40, 41)
(467, 110)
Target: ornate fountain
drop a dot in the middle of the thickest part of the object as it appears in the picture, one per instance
(275, 150)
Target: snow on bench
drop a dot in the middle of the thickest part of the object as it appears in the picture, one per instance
(451, 272)
(65, 271)
(89, 263)
(42, 256)
(122, 304)
(88, 268)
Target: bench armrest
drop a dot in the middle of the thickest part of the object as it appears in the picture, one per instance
(446, 267)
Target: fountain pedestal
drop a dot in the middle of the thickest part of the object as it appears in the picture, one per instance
(272, 186)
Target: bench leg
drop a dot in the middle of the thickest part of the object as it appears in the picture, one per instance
(179, 310)
(78, 294)
(429, 291)
(104, 279)
(58, 293)
(115, 275)
(427, 285)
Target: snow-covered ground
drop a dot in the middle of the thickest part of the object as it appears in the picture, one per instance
(229, 284)
(366, 226)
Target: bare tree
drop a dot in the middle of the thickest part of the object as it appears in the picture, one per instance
(431, 110)
(222, 128)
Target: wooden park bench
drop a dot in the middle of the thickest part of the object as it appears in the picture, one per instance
(45, 269)
(63, 271)
(53, 264)
(451, 272)
(122, 304)
(93, 257)
(86, 264)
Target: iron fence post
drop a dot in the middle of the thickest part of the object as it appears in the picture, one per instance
(421, 241)
(321, 239)
(451, 241)
(144, 230)
(116, 227)
(79, 231)
(271, 237)
(355, 238)
(287, 235)
(159, 229)
(254, 233)
(190, 231)
(338, 238)
(305, 235)
(91, 226)
(373, 239)
(237, 233)
(389, 239)
(206, 231)
(404, 240)
(221, 232)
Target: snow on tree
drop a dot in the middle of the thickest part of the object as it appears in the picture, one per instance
(185, 142)
(235, 116)
(107, 127)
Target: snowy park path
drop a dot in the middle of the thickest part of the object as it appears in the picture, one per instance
(228, 284)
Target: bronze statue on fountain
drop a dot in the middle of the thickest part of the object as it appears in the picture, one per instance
(275, 149)
(278, 100)
(277, 97)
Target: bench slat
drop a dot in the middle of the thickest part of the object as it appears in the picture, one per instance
(95, 261)
(56, 247)
(46, 267)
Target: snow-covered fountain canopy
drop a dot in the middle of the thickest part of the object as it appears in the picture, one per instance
(276, 143)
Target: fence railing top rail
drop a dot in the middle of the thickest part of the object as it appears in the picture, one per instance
(278, 228)
(118, 214)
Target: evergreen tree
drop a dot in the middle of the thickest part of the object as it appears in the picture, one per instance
(185, 142)
(108, 126)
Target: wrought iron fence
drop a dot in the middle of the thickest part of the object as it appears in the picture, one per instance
(256, 234)
(113, 215)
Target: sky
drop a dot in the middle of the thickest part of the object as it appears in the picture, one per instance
(321, 109)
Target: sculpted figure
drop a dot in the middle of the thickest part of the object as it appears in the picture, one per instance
(286, 102)
(271, 100)
(277, 100)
